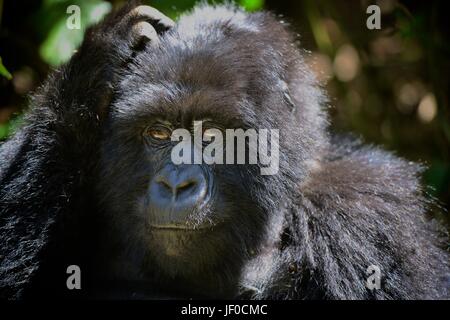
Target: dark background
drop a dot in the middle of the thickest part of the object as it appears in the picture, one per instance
(390, 86)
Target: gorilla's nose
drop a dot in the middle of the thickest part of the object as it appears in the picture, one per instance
(176, 190)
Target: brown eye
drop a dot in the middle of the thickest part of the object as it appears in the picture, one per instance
(158, 133)
(211, 133)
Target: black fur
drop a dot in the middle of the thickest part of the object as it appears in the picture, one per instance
(310, 231)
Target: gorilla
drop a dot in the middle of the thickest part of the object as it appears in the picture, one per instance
(88, 179)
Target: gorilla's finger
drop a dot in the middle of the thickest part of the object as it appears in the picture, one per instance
(145, 30)
(153, 15)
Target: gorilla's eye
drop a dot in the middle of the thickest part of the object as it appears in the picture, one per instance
(211, 133)
(158, 132)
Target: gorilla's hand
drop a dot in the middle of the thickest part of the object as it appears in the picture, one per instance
(74, 100)
(107, 49)
(78, 94)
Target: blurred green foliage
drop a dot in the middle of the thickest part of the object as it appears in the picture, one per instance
(9, 127)
(4, 72)
(60, 41)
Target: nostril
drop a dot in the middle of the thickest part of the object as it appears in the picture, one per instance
(165, 185)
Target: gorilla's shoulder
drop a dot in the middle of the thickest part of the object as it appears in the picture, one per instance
(351, 169)
(364, 206)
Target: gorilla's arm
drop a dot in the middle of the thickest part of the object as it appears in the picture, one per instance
(43, 166)
(45, 169)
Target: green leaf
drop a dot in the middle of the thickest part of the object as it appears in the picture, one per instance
(9, 128)
(3, 71)
(4, 130)
(437, 176)
(252, 5)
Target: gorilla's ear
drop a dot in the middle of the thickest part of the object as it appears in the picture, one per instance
(287, 95)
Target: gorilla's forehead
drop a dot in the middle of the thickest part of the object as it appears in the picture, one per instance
(221, 68)
(223, 64)
(220, 54)
(176, 102)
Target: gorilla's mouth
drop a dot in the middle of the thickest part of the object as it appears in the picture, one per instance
(178, 227)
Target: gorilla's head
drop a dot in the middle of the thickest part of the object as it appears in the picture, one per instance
(197, 224)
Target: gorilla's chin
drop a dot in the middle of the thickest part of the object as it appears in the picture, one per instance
(176, 241)
(175, 253)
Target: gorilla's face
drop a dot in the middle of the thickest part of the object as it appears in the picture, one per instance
(185, 220)
(198, 222)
